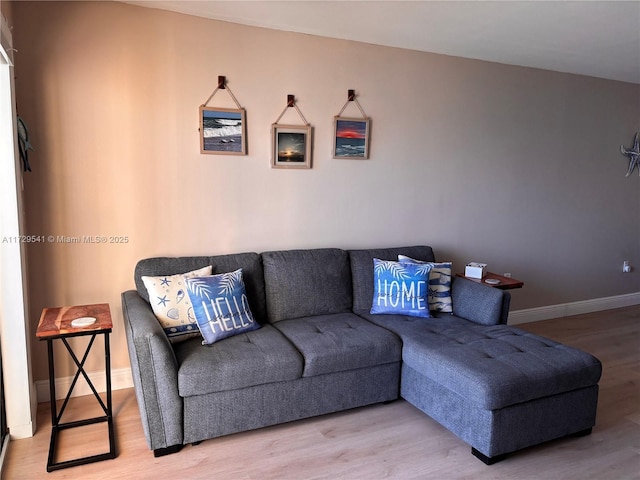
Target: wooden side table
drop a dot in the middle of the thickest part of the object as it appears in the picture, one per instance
(504, 283)
(56, 323)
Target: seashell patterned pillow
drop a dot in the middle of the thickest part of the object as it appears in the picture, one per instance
(171, 304)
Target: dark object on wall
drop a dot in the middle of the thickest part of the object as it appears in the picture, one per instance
(634, 155)
(24, 145)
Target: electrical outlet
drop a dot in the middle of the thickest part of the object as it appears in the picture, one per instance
(626, 268)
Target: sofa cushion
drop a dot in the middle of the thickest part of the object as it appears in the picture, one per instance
(407, 325)
(220, 305)
(494, 366)
(439, 284)
(362, 270)
(171, 304)
(302, 283)
(339, 342)
(253, 358)
(250, 263)
(400, 288)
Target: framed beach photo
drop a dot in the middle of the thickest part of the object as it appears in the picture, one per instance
(351, 137)
(291, 146)
(223, 131)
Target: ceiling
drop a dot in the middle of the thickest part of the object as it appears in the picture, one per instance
(594, 38)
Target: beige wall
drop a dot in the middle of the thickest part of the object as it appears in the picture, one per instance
(516, 167)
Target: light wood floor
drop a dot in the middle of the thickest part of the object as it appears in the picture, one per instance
(394, 441)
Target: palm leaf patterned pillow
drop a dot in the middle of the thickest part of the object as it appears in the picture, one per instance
(221, 306)
(400, 288)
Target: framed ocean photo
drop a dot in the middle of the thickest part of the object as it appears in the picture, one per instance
(291, 146)
(351, 137)
(223, 131)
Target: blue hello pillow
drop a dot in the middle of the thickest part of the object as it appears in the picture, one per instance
(400, 288)
(220, 306)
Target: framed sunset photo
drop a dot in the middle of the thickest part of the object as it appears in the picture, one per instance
(351, 137)
(291, 146)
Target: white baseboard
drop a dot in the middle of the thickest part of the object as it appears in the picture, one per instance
(27, 430)
(575, 308)
(120, 378)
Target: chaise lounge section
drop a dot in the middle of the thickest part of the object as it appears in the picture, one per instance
(319, 350)
(495, 386)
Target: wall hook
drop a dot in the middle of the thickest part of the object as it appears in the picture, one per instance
(351, 97)
(291, 102)
(222, 85)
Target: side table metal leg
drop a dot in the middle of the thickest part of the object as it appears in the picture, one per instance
(107, 362)
(58, 425)
(53, 406)
(52, 384)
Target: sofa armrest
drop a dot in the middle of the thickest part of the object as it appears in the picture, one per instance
(155, 373)
(479, 303)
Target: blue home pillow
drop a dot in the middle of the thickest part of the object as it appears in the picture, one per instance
(439, 284)
(400, 288)
(220, 306)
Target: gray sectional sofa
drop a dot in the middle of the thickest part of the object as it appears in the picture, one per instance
(319, 350)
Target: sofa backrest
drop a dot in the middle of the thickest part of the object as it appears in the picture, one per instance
(250, 263)
(362, 270)
(302, 283)
(288, 284)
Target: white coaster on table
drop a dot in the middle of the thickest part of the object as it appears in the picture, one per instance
(83, 321)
